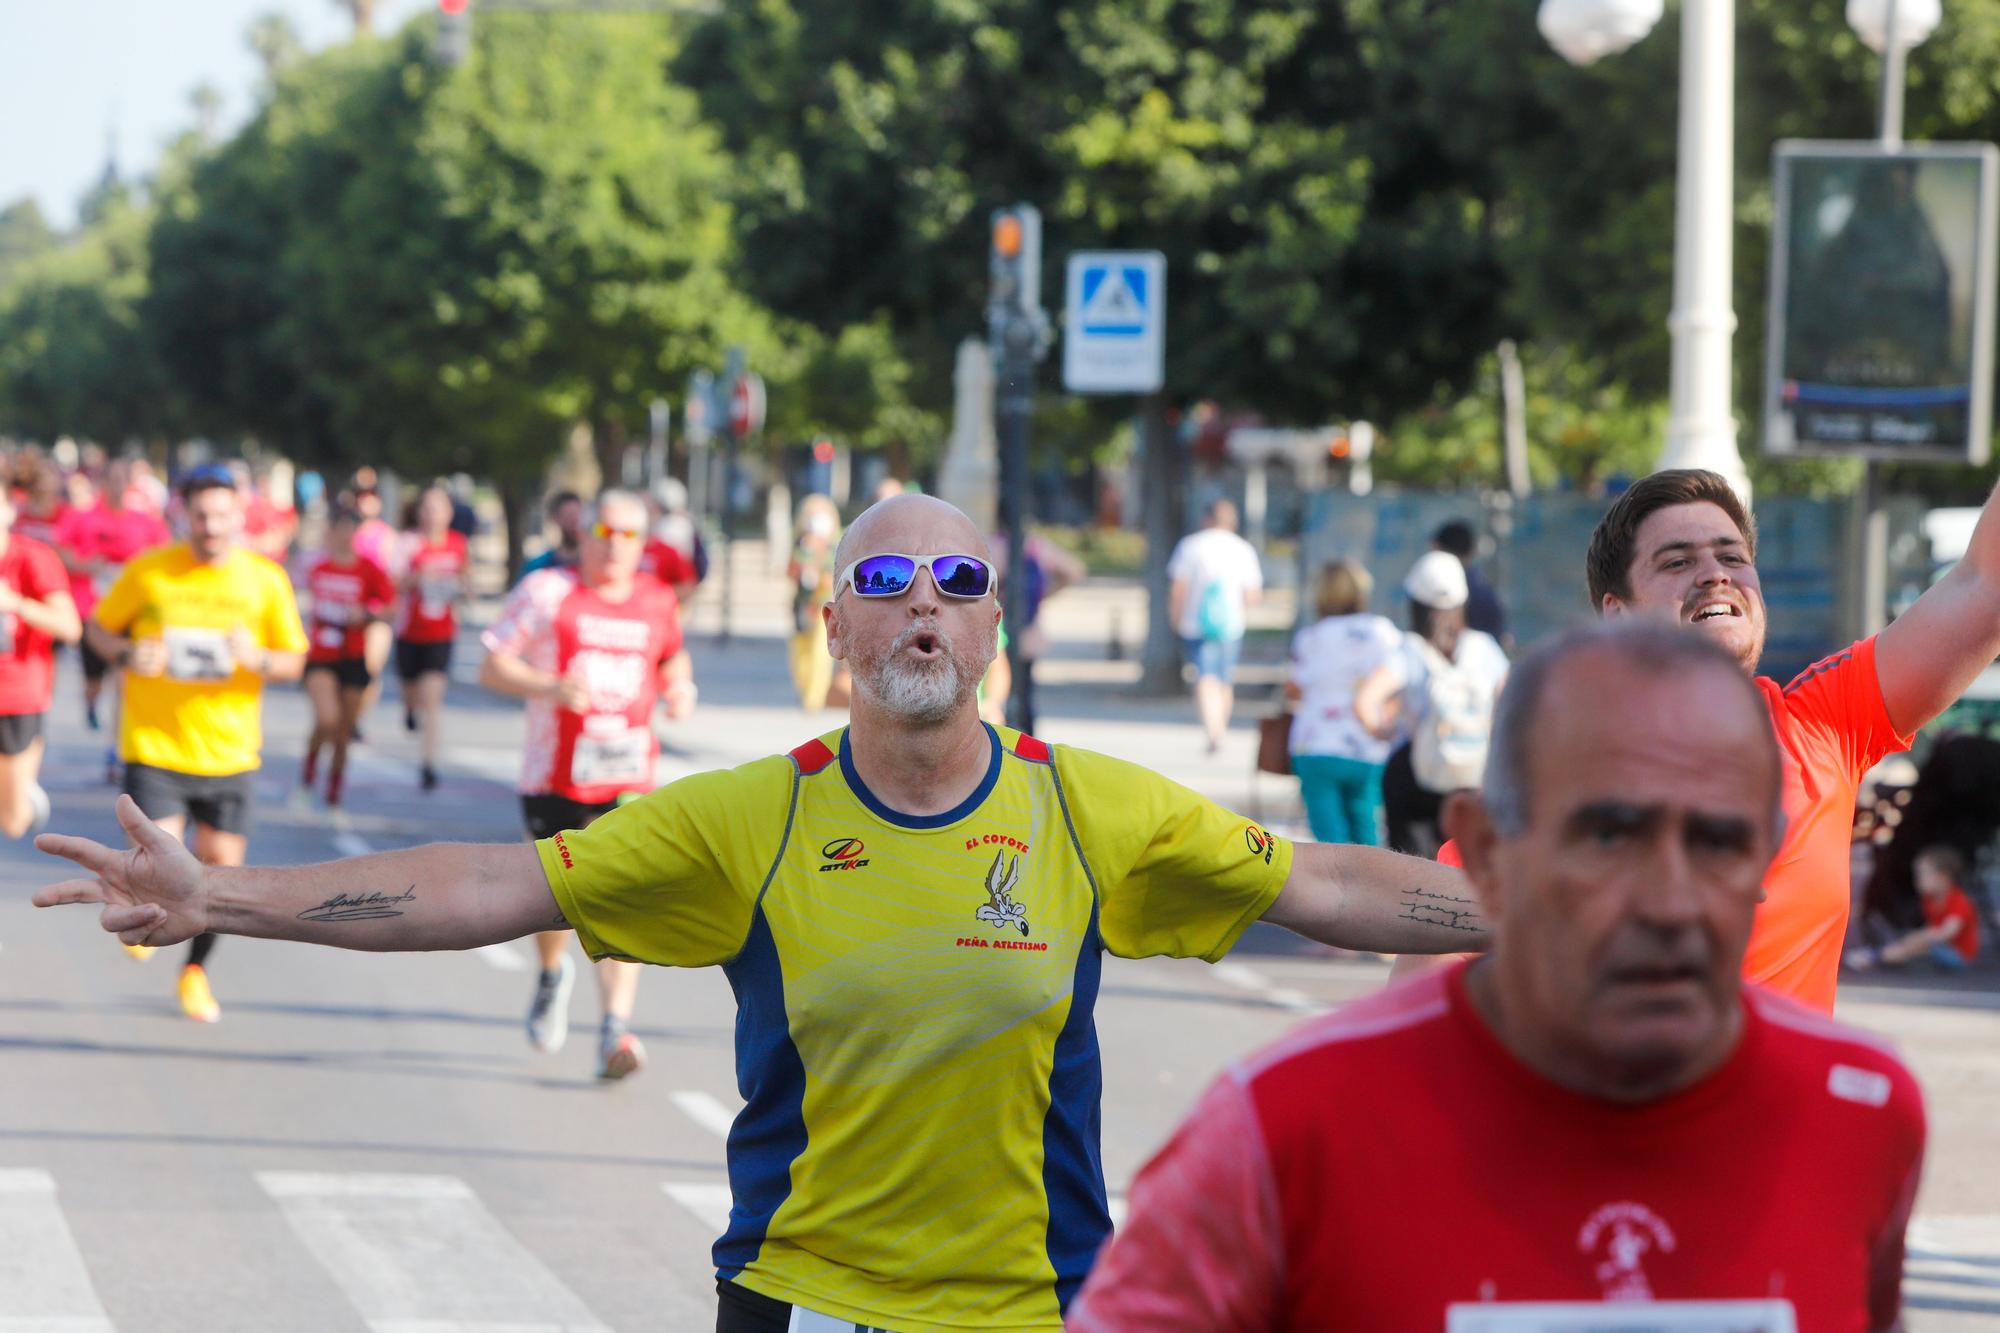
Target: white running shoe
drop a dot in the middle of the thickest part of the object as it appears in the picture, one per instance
(548, 1016)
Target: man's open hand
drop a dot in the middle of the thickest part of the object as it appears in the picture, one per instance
(152, 894)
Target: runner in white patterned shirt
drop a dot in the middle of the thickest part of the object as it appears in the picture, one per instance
(592, 650)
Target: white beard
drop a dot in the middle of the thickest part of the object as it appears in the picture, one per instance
(926, 693)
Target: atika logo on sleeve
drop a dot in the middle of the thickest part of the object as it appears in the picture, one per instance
(843, 854)
(1260, 842)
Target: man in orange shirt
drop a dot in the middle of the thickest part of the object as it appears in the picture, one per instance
(1680, 545)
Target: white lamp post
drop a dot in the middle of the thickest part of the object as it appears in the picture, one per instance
(1701, 422)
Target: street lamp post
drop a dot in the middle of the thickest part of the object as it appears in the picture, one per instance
(1701, 422)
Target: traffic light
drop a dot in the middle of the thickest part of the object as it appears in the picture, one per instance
(454, 32)
(1017, 258)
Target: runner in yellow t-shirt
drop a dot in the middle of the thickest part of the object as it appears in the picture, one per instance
(912, 912)
(198, 627)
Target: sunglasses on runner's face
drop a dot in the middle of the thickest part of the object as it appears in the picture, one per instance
(604, 532)
(891, 575)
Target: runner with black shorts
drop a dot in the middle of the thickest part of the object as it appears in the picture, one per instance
(434, 565)
(35, 614)
(591, 649)
(349, 594)
(198, 627)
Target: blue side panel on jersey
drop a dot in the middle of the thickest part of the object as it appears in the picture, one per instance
(770, 1134)
(1072, 1157)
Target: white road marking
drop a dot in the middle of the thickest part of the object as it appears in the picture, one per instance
(44, 1286)
(708, 1202)
(1256, 983)
(351, 844)
(502, 957)
(706, 1111)
(1952, 1263)
(421, 1254)
(506, 958)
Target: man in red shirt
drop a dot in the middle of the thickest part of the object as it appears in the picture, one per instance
(36, 613)
(1586, 1115)
(98, 543)
(434, 565)
(591, 649)
(1679, 545)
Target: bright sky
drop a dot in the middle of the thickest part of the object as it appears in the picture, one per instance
(72, 72)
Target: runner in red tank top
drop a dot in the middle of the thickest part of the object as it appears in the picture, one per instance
(99, 540)
(36, 613)
(591, 650)
(434, 566)
(348, 594)
(1598, 1112)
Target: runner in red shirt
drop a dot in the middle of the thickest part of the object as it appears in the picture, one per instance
(1680, 545)
(348, 595)
(1599, 1112)
(591, 650)
(433, 567)
(44, 504)
(98, 543)
(35, 613)
(663, 560)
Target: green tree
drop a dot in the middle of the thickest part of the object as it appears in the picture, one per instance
(24, 235)
(74, 359)
(446, 269)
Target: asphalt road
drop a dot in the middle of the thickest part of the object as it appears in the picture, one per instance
(367, 1142)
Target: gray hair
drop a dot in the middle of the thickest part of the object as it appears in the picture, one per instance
(612, 495)
(1653, 648)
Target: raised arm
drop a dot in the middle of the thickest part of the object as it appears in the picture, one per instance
(1934, 650)
(440, 896)
(1377, 901)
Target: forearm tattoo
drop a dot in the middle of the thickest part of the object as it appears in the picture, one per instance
(1442, 909)
(360, 907)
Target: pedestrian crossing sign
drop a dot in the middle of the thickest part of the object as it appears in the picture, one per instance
(1114, 337)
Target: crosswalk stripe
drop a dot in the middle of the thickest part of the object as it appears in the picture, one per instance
(706, 1111)
(1953, 1263)
(502, 957)
(421, 1254)
(47, 1287)
(708, 1202)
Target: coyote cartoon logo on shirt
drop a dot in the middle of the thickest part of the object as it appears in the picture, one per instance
(1001, 911)
(1622, 1235)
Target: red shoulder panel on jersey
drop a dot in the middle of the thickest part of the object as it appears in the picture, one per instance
(812, 757)
(1030, 748)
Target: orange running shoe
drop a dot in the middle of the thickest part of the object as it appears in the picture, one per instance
(197, 1000)
(139, 952)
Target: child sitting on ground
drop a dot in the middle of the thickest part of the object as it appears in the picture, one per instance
(1949, 936)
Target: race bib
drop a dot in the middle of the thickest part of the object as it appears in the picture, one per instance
(330, 636)
(435, 596)
(198, 654)
(616, 757)
(1623, 1317)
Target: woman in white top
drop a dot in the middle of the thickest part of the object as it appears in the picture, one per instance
(1338, 760)
(1438, 694)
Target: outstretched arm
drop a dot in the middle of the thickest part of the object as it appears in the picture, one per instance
(1377, 901)
(440, 896)
(1934, 650)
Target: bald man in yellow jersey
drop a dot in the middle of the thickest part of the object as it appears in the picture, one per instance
(912, 911)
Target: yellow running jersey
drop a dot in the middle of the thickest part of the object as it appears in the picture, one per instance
(915, 1047)
(204, 714)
